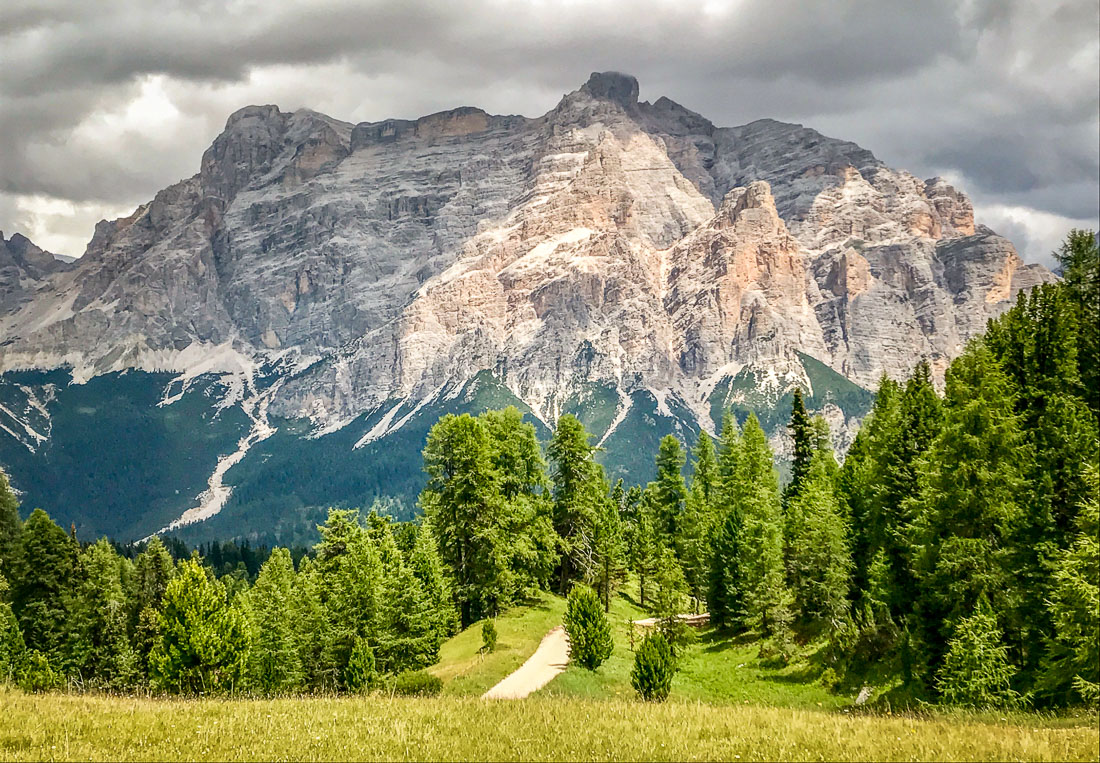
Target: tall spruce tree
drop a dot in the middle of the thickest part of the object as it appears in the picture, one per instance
(274, 660)
(610, 550)
(11, 526)
(818, 559)
(704, 470)
(1079, 258)
(42, 582)
(761, 586)
(97, 643)
(498, 548)
(970, 485)
(1071, 670)
(579, 489)
(669, 490)
(406, 637)
(801, 431)
(428, 569)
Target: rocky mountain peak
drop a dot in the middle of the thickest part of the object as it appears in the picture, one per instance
(613, 86)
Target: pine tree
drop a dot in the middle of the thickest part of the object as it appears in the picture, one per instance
(349, 585)
(10, 526)
(274, 660)
(97, 645)
(578, 490)
(589, 631)
(1071, 669)
(724, 598)
(12, 648)
(609, 546)
(695, 542)
(644, 545)
(42, 580)
(669, 491)
(860, 479)
(1079, 257)
(760, 583)
(493, 533)
(705, 468)
(407, 638)
(723, 591)
(360, 674)
(428, 569)
(976, 671)
(204, 641)
(818, 559)
(801, 430)
(969, 486)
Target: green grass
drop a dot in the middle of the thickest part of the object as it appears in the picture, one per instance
(467, 671)
(716, 669)
(75, 727)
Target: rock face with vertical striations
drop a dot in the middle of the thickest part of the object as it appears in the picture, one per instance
(628, 260)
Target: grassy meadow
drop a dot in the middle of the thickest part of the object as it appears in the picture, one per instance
(74, 727)
(726, 704)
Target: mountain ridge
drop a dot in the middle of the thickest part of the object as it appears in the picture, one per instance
(333, 273)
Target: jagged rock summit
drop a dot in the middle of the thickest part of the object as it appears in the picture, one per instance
(628, 260)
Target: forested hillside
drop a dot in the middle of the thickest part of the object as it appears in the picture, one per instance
(952, 558)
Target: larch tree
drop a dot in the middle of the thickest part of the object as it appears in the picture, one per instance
(669, 490)
(274, 660)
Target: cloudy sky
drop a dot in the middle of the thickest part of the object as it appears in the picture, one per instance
(103, 103)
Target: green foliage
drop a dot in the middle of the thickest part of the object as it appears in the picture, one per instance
(669, 601)
(41, 582)
(37, 675)
(204, 641)
(360, 674)
(589, 631)
(417, 683)
(407, 635)
(97, 642)
(1072, 669)
(654, 668)
(488, 636)
(818, 560)
(976, 671)
(669, 491)
(760, 579)
(968, 499)
(274, 660)
(497, 548)
(12, 648)
(1079, 257)
(801, 430)
(11, 526)
(610, 550)
(579, 492)
(426, 565)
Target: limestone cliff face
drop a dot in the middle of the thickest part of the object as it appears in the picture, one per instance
(610, 241)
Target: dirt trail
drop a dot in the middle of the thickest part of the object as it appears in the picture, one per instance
(548, 660)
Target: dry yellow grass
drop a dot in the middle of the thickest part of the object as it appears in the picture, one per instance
(70, 727)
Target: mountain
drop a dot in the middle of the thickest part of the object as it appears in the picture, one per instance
(277, 333)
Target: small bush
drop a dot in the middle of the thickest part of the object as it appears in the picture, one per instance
(360, 673)
(488, 636)
(417, 683)
(653, 669)
(37, 675)
(589, 632)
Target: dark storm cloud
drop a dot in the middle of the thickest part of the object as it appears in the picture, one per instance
(103, 103)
